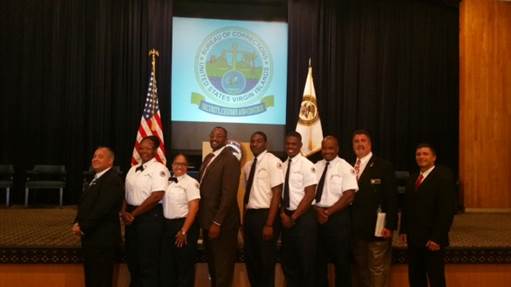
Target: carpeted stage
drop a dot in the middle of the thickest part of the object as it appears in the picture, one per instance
(42, 236)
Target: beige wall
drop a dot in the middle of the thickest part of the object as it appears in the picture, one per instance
(485, 103)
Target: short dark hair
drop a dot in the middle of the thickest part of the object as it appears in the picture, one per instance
(362, 132)
(181, 154)
(294, 134)
(154, 139)
(426, 145)
(330, 137)
(109, 150)
(222, 128)
(261, 134)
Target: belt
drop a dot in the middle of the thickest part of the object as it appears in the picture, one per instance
(288, 212)
(175, 219)
(256, 210)
(130, 208)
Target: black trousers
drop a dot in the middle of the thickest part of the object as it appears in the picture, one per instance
(260, 255)
(98, 263)
(221, 254)
(334, 246)
(178, 263)
(299, 251)
(143, 241)
(424, 266)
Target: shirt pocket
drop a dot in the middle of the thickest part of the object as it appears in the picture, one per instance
(143, 182)
(336, 182)
(296, 180)
(262, 177)
(178, 194)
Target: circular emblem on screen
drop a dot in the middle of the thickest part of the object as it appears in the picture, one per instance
(233, 67)
(308, 111)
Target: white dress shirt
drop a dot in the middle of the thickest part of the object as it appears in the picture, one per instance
(363, 163)
(426, 173)
(98, 175)
(339, 177)
(177, 196)
(140, 184)
(301, 175)
(268, 174)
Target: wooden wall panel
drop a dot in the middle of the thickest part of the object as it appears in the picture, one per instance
(485, 103)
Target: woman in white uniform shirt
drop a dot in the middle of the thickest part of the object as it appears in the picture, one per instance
(143, 215)
(179, 241)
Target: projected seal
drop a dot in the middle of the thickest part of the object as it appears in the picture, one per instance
(233, 67)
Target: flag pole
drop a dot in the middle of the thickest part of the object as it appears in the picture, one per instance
(153, 54)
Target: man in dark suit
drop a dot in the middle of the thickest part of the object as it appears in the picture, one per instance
(427, 217)
(218, 212)
(97, 221)
(377, 194)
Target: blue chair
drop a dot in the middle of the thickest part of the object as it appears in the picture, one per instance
(46, 177)
(6, 181)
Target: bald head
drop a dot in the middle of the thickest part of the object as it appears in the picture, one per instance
(329, 148)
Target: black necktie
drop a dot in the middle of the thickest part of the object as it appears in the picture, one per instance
(285, 202)
(173, 178)
(250, 181)
(321, 184)
(139, 168)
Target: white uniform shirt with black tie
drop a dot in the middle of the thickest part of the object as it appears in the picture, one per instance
(177, 196)
(140, 184)
(268, 174)
(339, 177)
(301, 175)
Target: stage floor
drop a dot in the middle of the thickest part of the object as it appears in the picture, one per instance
(42, 235)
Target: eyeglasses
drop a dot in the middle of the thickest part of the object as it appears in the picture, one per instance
(179, 164)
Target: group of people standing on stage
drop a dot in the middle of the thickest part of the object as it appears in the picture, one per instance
(327, 212)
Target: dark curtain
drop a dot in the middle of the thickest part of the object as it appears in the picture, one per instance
(75, 73)
(390, 67)
(75, 76)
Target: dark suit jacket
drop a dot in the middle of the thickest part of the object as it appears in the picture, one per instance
(98, 211)
(428, 211)
(218, 191)
(377, 188)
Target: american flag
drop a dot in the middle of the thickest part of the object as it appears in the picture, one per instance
(150, 123)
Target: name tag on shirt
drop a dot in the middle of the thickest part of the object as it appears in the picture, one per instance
(375, 181)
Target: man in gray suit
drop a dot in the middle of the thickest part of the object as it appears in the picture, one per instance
(219, 213)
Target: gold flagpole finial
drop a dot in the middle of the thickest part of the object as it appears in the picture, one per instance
(310, 62)
(153, 53)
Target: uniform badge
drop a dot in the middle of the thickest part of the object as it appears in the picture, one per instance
(353, 171)
(375, 181)
(279, 165)
(313, 169)
(197, 185)
(162, 173)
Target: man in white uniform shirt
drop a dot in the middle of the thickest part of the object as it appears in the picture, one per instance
(143, 214)
(263, 190)
(179, 241)
(337, 184)
(299, 227)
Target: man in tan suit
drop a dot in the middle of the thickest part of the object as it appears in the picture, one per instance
(219, 213)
